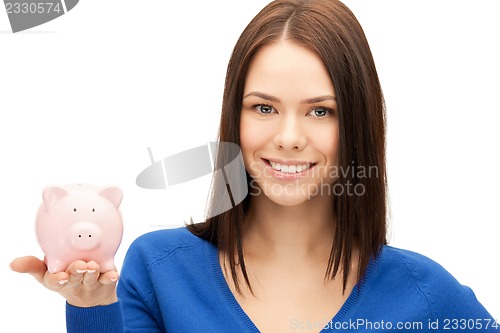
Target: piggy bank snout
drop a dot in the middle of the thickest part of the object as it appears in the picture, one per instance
(85, 236)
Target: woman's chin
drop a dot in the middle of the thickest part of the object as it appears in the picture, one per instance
(282, 198)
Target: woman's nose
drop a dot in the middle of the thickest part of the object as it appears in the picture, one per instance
(289, 134)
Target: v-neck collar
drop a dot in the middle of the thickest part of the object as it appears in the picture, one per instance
(340, 316)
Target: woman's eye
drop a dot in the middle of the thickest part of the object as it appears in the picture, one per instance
(320, 112)
(264, 109)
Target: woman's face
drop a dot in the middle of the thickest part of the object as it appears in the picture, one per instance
(289, 125)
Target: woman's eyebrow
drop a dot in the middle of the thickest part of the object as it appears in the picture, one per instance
(263, 96)
(318, 99)
(277, 100)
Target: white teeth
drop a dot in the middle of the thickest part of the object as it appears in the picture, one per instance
(289, 168)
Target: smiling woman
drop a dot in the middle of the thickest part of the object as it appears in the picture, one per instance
(293, 60)
(283, 131)
(303, 101)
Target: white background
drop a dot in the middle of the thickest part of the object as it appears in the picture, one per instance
(83, 96)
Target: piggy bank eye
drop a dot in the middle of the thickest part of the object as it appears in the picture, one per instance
(93, 209)
(74, 209)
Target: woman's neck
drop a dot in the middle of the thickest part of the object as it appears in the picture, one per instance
(289, 233)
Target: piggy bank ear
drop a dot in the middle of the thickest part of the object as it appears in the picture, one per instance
(52, 194)
(113, 194)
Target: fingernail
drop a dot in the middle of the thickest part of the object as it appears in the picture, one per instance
(114, 279)
(10, 266)
(91, 271)
(61, 282)
(81, 271)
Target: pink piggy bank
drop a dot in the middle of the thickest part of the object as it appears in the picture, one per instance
(79, 222)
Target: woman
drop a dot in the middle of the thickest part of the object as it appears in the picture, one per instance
(306, 250)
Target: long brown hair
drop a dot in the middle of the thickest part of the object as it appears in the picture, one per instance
(330, 29)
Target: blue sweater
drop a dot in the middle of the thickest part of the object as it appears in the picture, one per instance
(171, 281)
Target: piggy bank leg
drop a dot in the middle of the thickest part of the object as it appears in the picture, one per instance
(107, 266)
(54, 266)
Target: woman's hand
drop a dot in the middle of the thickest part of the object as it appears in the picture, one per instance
(82, 284)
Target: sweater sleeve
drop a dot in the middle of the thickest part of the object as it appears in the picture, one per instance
(136, 293)
(454, 307)
(458, 310)
(97, 319)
